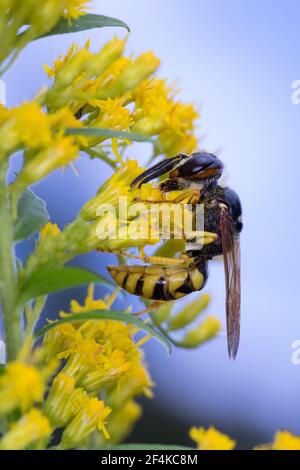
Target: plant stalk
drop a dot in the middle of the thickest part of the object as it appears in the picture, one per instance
(11, 315)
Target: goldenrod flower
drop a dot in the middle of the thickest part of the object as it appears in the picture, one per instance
(104, 81)
(116, 186)
(134, 73)
(136, 382)
(49, 230)
(112, 114)
(121, 422)
(179, 137)
(32, 427)
(78, 75)
(284, 440)
(59, 63)
(89, 303)
(57, 340)
(75, 8)
(208, 329)
(26, 125)
(57, 155)
(98, 352)
(64, 400)
(91, 416)
(211, 439)
(38, 17)
(153, 105)
(189, 313)
(20, 386)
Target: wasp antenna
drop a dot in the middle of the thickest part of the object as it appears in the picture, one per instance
(158, 170)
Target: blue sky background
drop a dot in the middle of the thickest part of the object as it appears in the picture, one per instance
(236, 59)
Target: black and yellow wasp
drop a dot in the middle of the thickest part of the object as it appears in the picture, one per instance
(222, 217)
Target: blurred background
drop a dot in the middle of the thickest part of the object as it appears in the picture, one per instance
(236, 60)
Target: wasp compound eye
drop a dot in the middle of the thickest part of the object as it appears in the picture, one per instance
(232, 201)
(200, 166)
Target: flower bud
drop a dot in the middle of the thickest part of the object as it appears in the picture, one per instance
(209, 328)
(105, 57)
(189, 313)
(162, 313)
(133, 74)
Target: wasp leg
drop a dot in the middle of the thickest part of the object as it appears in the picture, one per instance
(156, 304)
(201, 238)
(159, 169)
(183, 260)
(189, 196)
(162, 283)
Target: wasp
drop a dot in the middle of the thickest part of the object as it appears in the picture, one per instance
(198, 173)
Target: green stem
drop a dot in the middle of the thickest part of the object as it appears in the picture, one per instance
(11, 315)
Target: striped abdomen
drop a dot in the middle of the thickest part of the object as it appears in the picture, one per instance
(160, 283)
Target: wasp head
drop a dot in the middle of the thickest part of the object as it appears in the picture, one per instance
(200, 167)
(203, 167)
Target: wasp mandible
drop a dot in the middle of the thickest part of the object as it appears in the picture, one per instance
(222, 217)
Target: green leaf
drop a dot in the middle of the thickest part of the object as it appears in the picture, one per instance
(83, 23)
(109, 133)
(32, 215)
(107, 315)
(47, 280)
(148, 447)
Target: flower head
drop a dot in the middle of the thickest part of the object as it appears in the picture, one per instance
(64, 400)
(31, 428)
(122, 420)
(211, 439)
(21, 386)
(97, 352)
(75, 8)
(284, 440)
(91, 416)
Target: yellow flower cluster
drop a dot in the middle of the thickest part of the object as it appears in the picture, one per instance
(159, 113)
(115, 192)
(108, 90)
(284, 440)
(38, 17)
(100, 356)
(42, 137)
(32, 429)
(75, 8)
(211, 439)
(21, 386)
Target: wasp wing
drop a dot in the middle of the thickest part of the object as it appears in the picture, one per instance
(232, 259)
